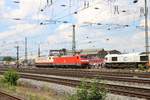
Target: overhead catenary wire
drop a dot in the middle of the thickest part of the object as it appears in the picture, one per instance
(70, 13)
(78, 10)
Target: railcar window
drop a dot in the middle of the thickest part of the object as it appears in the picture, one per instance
(143, 58)
(84, 57)
(114, 58)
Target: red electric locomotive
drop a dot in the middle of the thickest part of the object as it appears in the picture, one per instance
(77, 61)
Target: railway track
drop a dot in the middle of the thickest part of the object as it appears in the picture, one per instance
(6, 96)
(111, 76)
(115, 89)
(84, 73)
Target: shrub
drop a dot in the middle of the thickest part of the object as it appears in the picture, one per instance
(82, 91)
(11, 77)
(92, 91)
(97, 91)
(142, 67)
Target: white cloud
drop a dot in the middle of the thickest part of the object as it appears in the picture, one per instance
(135, 41)
(26, 8)
(94, 38)
(29, 10)
(62, 34)
(2, 4)
(40, 17)
(19, 29)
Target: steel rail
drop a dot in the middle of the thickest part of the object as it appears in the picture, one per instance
(90, 74)
(84, 72)
(7, 96)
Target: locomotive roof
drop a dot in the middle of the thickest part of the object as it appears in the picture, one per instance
(145, 53)
(128, 54)
(70, 55)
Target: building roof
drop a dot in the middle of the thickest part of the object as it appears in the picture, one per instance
(95, 51)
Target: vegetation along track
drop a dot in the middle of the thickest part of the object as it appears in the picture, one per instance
(6, 96)
(116, 89)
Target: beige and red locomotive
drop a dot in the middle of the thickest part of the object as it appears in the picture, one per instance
(77, 61)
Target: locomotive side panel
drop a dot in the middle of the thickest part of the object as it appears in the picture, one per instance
(125, 60)
(63, 62)
(43, 61)
(70, 60)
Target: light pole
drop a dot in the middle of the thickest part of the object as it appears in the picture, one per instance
(73, 40)
(146, 29)
(17, 47)
(39, 50)
(26, 52)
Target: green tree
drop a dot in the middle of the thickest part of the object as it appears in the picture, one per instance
(8, 58)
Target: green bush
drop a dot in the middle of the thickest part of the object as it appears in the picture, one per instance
(11, 77)
(92, 91)
(142, 67)
(97, 92)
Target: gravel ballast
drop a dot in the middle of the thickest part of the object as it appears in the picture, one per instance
(65, 90)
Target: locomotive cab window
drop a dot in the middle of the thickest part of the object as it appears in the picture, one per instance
(114, 58)
(143, 58)
(84, 57)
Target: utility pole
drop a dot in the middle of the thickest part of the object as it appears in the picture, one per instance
(39, 50)
(73, 41)
(146, 30)
(17, 47)
(26, 52)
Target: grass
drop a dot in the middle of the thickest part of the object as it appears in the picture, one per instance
(30, 93)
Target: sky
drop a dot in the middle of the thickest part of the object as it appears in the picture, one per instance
(108, 24)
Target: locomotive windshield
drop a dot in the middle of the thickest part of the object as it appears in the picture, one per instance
(84, 56)
(114, 58)
(143, 58)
